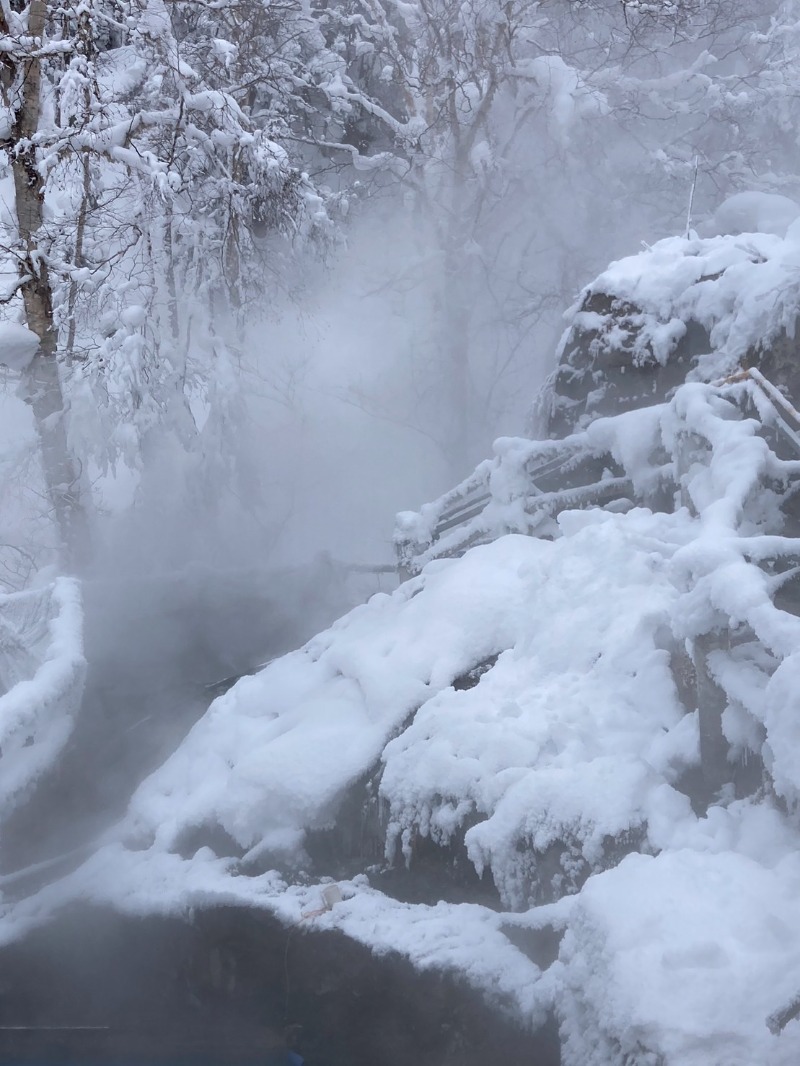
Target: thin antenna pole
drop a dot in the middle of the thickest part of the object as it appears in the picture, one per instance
(691, 198)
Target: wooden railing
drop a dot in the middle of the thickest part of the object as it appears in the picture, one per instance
(559, 475)
(463, 517)
(787, 417)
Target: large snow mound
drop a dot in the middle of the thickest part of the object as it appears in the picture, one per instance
(688, 953)
(556, 742)
(273, 756)
(753, 212)
(578, 697)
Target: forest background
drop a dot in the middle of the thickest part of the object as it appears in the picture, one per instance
(272, 270)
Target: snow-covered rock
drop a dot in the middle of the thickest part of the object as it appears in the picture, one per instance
(682, 957)
(682, 309)
(753, 212)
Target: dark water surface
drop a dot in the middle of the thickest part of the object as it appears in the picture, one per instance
(229, 986)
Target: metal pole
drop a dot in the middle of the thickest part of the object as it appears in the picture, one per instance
(691, 198)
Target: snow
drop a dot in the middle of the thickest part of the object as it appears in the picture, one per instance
(754, 212)
(18, 345)
(561, 769)
(741, 288)
(465, 939)
(568, 711)
(327, 710)
(566, 770)
(685, 952)
(41, 680)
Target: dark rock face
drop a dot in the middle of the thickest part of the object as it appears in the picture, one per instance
(604, 370)
(357, 842)
(606, 366)
(780, 362)
(224, 986)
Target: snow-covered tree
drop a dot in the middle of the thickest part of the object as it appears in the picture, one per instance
(26, 50)
(437, 95)
(149, 203)
(528, 144)
(159, 154)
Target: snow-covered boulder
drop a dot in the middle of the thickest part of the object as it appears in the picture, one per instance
(683, 309)
(753, 212)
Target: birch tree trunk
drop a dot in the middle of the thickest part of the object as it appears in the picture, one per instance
(44, 389)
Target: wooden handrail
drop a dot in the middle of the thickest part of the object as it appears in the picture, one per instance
(787, 414)
(476, 495)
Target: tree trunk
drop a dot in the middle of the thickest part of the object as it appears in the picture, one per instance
(459, 383)
(44, 391)
(456, 321)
